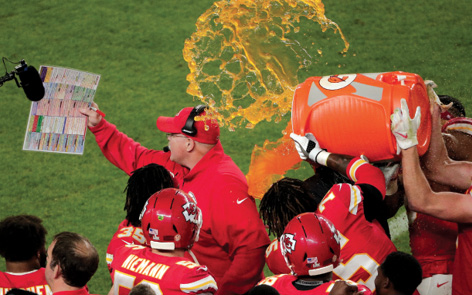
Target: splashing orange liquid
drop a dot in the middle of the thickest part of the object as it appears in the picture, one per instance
(244, 60)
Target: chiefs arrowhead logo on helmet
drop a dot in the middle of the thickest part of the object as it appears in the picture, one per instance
(190, 212)
(288, 243)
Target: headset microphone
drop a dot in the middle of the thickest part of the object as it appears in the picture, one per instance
(30, 81)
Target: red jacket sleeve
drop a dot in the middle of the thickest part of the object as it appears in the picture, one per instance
(125, 153)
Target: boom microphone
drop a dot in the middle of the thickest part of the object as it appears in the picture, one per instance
(31, 83)
(30, 80)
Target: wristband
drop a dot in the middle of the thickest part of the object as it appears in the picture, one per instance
(322, 158)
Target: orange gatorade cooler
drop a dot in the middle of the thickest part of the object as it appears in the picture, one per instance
(350, 114)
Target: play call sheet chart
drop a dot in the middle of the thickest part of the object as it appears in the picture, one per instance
(55, 123)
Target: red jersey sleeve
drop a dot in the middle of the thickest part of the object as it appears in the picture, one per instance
(362, 172)
(197, 279)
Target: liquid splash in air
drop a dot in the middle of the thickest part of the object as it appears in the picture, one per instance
(245, 60)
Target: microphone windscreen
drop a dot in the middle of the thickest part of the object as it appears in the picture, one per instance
(31, 83)
(166, 149)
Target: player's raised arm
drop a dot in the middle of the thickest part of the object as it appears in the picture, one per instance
(436, 163)
(445, 205)
(309, 149)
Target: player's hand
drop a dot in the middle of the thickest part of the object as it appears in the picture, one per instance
(433, 97)
(308, 147)
(405, 128)
(344, 288)
(94, 117)
(436, 105)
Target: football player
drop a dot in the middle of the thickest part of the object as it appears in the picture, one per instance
(142, 183)
(171, 224)
(22, 244)
(437, 164)
(286, 199)
(432, 240)
(445, 205)
(311, 248)
(365, 242)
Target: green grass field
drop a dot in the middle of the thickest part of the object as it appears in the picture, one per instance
(137, 50)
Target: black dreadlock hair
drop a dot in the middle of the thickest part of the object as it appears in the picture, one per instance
(289, 197)
(284, 200)
(142, 184)
(323, 180)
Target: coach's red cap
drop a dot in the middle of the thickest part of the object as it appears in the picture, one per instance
(206, 131)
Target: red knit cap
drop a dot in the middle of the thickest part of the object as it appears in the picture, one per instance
(175, 125)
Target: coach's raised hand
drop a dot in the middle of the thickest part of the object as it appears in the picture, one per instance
(93, 113)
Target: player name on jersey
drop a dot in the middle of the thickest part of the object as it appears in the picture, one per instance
(145, 267)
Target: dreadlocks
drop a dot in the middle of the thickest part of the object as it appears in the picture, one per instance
(323, 180)
(289, 197)
(142, 183)
(284, 200)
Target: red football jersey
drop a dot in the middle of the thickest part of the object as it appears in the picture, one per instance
(462, 276)
(125, 235)
(283, 284)
(433, 243)
(33, 281)
(133, 265)
(364, 244)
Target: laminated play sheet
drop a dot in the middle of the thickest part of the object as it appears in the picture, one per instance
(55, 123)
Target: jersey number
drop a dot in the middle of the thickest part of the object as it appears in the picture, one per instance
(327, 198)
(126, 281)
(135, 233)
(357, 264)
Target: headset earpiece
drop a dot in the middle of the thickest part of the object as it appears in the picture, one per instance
(188, 128)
